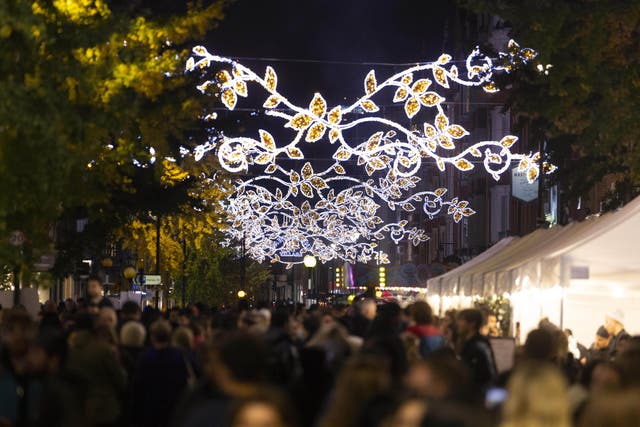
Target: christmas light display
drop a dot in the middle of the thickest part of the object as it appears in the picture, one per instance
(285, 211)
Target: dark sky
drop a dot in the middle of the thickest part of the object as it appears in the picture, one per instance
(389, 31)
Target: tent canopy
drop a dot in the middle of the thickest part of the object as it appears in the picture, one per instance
(560, 272)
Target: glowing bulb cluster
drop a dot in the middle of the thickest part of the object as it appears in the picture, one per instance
(291, 212)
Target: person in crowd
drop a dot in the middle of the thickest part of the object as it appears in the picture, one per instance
(160, 377)
(475, 350)
(233, 368)
(439, 377)
(536, 397)
(61, 398)
(132, 339)
(264, 408)
(284, 360)
(108, 317)
(92, 361)
(614, 409)
(361, 322)
(129, 312)
(19, 395)
(578, 351)
(430, 337)
(614, 323)
(408, 411)
(491, 329)
(49, 316)
(183, 339)
(95, 289)
(363, 378)
(599, 350)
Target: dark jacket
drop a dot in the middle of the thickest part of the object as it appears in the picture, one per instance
(159, 379)
(478, 356)
(94, 364)
(613, 345)
(202, 406)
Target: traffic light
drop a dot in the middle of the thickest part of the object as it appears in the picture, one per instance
(382, 277)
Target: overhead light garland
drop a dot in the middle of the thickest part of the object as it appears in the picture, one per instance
(345, 225)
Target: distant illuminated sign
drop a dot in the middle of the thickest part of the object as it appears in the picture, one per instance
(521, 188)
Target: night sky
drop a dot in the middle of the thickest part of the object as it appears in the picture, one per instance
(389, 31)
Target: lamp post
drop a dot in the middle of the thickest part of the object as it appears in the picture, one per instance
(309, 262)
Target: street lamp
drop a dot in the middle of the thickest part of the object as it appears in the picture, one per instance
(309, 262)
(242, 294)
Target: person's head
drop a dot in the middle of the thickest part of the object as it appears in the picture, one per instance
(614, 321)
(94, 287)
(130, 311)
(182, 338)
(368, 308)
(614, 409)
(469, 322)
(440, 376)
(160, 333)
(184, 317)
(280, 318)
(540, 345)
(16, 332)
(492, 322)
(602, 339)
(133, 334)
(48, 352)
(537, 395)
(108, 317)
(264, 408)
(605, 378)
(421, 313)
(237, 358)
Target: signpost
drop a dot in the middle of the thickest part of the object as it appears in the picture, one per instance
(520, 187)
(152, 280)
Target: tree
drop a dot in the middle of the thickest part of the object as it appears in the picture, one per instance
(587, 106)
(92, 93)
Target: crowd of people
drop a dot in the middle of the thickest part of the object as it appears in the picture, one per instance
(84, 363)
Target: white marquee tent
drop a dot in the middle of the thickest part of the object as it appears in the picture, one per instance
(572, 274)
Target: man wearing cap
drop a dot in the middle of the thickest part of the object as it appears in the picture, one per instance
(599, 350)
(614, 324)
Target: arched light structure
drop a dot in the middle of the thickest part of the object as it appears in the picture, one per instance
(328, 213)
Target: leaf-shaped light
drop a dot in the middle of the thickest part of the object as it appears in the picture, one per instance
(306, 190)
(464, 164)
(369, 106)
(316, 132)
(270, 78)
(229, 98)
(294, 153)
(440, 75)
(300, 121)
(370, 83)
(400, 95)
(241, 88)
(457, 131)
(421, 86)
(272, 102)
(318, 106)
(307, 171)
(335, 115)
(430, 99)
(267, 140)
(508, 141)
(411, 107)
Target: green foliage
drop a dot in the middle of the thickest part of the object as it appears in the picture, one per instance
(588, 105)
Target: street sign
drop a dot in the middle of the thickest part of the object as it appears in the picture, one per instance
(152, 280)
(17, 238)
(521, 188)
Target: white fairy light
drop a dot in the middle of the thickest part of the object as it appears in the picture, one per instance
(345, 225)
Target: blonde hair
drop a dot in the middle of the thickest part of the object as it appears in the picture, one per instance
(133, 334)
(537, 397)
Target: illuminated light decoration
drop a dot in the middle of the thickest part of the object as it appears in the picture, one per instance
(345, 225)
